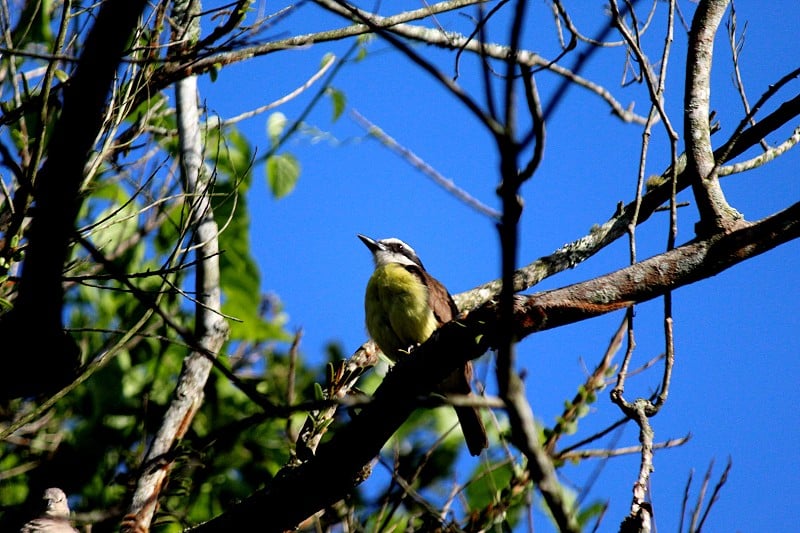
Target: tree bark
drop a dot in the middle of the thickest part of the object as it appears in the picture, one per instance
(46, 361)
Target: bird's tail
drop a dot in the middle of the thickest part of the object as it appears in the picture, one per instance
(473, 429)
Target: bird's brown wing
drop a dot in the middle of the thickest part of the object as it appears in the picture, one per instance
(439, 300)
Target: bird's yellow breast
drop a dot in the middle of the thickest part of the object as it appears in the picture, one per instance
(397, 310)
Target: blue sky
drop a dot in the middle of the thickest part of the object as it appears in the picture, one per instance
(735, 382)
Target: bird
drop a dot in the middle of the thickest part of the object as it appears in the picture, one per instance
(404, 305)
(55, 518)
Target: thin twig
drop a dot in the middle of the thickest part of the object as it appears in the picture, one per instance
(418, 163)
(762, 159)
(685, 500)
(282, 100)
(594, 382)
(736, 46)
(291, 381)
(617, 452)
(715, 493)
(722, 154)
(366, 18)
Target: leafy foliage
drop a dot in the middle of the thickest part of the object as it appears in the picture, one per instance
(282, 173)
(91, 442)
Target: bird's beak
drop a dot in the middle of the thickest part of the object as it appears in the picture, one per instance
(372, 244)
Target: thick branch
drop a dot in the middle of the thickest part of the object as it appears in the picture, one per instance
(715, 213)
(341, 463)
(49, 356)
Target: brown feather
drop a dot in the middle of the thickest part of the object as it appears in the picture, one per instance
(444, 309)
(441, 303)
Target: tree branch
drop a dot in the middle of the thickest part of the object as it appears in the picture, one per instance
(342, 463)
(715, 213)
(51, 356)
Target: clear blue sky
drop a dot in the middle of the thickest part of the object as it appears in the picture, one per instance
(735, 381)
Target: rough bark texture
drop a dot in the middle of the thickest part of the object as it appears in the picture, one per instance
(715, 213)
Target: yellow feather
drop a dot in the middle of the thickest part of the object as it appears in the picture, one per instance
(397, 310)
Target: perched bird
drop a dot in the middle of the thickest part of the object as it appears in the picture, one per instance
(404, 305)
(55, 518)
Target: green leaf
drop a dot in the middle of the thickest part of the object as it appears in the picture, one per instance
(119, 421)
(276, 123)
(282, 173)
(213, 72)
(486, 490)
(240, 278)
(363, 41)
(339, 101)
(327, 58)
(230, 153)
(117, 223)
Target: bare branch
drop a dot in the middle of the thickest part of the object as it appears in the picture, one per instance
(654, 86)
(537, 133)
(736, 45)
(737, 135)
(616, 452)
(366, 18)
(715, 493)
(604, 234)
(286, 98)
(762, 159)
(715, 213)
(641, 513)
(495, 51)
(656, 276)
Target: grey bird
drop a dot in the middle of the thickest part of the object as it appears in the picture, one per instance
(55, 518)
